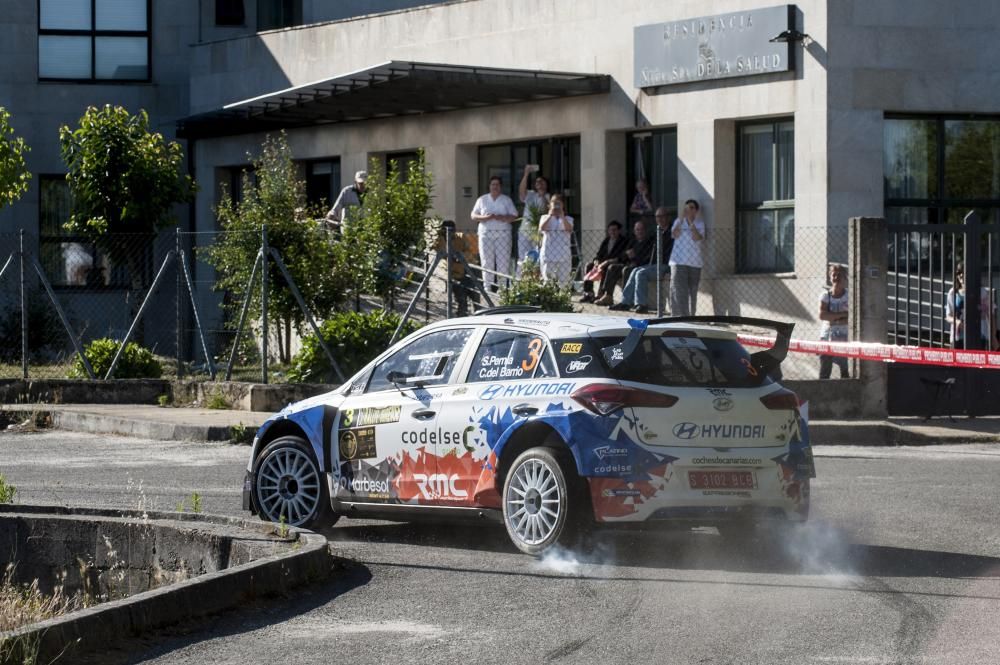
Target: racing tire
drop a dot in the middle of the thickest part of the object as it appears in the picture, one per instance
(543, 506)
(288, 482)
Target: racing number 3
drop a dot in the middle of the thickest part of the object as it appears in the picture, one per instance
(534, 354)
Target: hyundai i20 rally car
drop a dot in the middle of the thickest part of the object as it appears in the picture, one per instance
(550, 423)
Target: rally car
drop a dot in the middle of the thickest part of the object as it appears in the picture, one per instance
(551, 424)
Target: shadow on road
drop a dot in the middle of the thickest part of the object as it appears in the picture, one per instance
(346, 576)
(816, 548)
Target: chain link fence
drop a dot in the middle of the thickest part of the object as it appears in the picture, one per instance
(98, 289)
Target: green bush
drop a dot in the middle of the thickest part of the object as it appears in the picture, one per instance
(354, 339)
(136, 362)
(530, 289)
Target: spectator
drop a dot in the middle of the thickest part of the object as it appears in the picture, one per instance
(611, 251)
(536, 202)
(348, 203)
(686, 260)
(557, 230)
(494, 212)
(636, 254)
(833, 307)
(641, 205)
(634, 295)
(955, 313)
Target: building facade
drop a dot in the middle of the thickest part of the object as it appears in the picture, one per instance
(783, 121)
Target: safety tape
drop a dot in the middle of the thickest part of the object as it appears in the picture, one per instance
(917, 355)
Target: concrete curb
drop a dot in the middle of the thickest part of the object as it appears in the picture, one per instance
(147, 429)
(881, 433)
(103, 625)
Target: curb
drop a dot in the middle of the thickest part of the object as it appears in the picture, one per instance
(884, 434)
(94, 423)
(99, 627)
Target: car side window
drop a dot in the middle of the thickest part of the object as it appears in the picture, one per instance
(428, 361)
(507, 355)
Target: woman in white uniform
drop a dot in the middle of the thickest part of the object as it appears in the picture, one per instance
(494, 212)
(557, 253)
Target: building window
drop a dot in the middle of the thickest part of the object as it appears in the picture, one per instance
(938, 168)
(765, 207)
(274, 14)
(76, 261)
(229, 12)
(652, 156)
(323, 183)
(93, 40)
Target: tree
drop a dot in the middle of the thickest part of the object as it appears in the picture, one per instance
(275, 196)
(14, 175)
(392, 224)
(122, 177)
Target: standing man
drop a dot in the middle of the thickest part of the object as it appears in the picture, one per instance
(494, 212)
(347, 204)
(686, 260)
(833, 306)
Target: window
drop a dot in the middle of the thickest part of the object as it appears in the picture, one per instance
(432, 358)
(274, 14)
(93, 40)
(229, 12)
(506, 355)
(766, 197)
(70, 260)
(652, 156)
(323, 182)
(938, 168)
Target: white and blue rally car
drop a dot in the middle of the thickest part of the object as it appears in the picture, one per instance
(550, 423)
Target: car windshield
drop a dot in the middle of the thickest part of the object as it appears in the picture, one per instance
(671, 360)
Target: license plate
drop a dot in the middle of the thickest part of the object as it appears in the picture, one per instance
(716, 480)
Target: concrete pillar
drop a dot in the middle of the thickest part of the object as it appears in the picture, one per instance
(867, 266)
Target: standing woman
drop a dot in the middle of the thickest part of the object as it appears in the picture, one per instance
(494, 212)
(557, 230)
(536, 202)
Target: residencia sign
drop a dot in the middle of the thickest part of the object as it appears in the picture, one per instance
(713, 47)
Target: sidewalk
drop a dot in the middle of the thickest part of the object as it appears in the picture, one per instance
(189, 424)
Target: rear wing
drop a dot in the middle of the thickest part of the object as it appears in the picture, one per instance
(764, 362)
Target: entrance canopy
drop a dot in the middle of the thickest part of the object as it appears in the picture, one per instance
(391, 89)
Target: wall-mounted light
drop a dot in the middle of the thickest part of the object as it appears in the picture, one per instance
(789, 36)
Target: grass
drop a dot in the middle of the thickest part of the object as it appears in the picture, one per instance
(7, 491)
(22, 604)
(217, 401)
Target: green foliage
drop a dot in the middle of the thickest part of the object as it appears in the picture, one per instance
(14, 175)
(217, 401)
(122, 177)
(354, 339)
(7, 491)
(276, 198)
(163, 400)
(530, 289)
(392, 221)
(46, 334)
(240, 433)
(136, 362)
(195, 502)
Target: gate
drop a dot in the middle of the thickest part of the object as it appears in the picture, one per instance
(924, 263)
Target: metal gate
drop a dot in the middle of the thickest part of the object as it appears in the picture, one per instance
(925, 262)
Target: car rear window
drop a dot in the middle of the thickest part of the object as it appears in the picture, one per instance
(662, 361)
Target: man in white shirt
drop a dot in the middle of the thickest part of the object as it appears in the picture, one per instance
(688, 232)
(494, 212)
(348, 201)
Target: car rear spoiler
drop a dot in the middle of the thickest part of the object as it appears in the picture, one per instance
(765, 362)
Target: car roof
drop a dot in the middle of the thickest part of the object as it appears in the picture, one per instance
(558, 325)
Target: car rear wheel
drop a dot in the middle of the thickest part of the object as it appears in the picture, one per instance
(542, 506)
(289, 485)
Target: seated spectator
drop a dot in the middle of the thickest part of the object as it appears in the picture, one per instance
(634, 295)
(611, 251)
(637, 253)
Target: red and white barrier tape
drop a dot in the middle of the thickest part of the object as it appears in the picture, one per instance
(918, 355)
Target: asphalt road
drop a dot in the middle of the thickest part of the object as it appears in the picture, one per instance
(901, 564)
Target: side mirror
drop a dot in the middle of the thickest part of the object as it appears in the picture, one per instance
(398, 378)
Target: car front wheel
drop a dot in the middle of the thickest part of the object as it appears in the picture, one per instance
(289, 485)
(541, 506)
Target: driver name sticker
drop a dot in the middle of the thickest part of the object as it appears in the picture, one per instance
(375, 415)
(358, 443)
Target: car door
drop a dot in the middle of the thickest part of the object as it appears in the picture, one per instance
(507, 368)
(385, 434)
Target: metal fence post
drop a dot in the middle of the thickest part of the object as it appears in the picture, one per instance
(263, 303)
(449, 228)
(659, 276)
(24, 314)
(177, 330)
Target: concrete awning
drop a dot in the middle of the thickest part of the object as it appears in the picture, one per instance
(389, 90)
